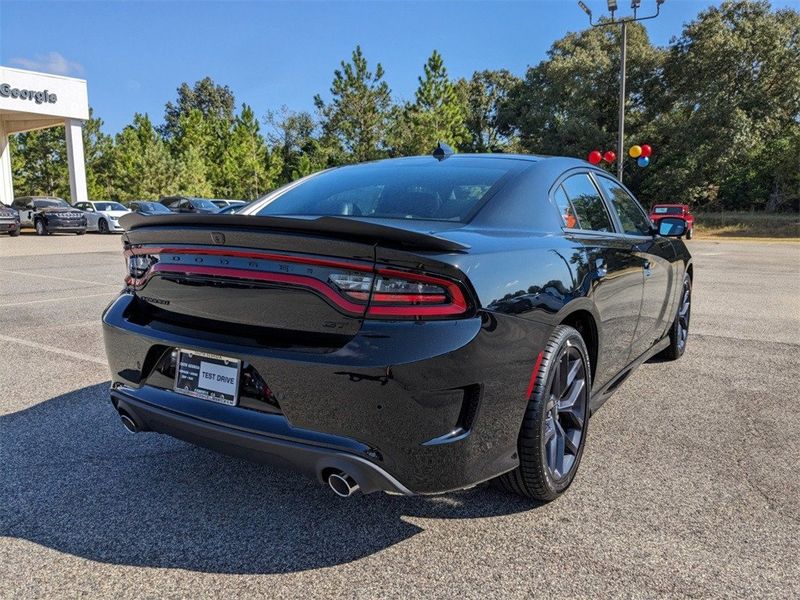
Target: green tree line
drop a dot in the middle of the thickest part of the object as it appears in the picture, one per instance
(720, 105)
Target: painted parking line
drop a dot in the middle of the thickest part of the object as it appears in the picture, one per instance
(54, 349)
(71, 279)
(107, 294)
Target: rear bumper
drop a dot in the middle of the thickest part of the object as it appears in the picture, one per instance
(305, 456)
(387, 406)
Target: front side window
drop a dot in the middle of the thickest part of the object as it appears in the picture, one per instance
(450, 190)
(587, 202)
(633, 218)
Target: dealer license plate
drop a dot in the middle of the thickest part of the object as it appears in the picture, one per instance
(208, 376)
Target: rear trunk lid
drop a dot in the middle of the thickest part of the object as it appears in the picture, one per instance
(276, 274)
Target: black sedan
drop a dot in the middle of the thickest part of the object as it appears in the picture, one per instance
(412, 325)
(185, 204)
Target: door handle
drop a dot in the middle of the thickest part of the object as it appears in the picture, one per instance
(647, 268)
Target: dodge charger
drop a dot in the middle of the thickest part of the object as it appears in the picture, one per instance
(413, 325)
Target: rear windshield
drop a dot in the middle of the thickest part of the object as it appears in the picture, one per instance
(668, 210)
(206, 204)
(109, 206)
(444, 191)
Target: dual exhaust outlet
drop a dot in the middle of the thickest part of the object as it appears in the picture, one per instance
(342, 484)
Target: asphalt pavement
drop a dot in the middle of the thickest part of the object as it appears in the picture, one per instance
(689, 486)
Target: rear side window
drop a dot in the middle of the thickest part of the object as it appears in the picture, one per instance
(631, 215)
(449, 190)
(565, 208)
(587, 202)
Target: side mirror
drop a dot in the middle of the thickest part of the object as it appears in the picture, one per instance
(671, 227)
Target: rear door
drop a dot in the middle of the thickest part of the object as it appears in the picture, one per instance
(657, 256)
(617, 273)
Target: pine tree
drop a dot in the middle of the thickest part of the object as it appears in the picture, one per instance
(354, 122)
(244, 165)
(437, 114)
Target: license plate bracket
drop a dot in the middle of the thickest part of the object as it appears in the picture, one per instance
(208, 376)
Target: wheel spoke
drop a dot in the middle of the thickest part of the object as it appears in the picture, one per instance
(573, 372)
(572, 407)
(549, 430)
(552, 453)
(559, 443)
(572, 440)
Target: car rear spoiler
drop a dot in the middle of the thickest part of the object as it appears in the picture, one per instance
(342, 227)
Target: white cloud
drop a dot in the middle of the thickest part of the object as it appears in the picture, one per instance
(51, 62)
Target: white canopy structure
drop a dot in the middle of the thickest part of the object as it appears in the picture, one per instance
(30, 100)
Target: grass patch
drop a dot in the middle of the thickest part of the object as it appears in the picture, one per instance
(747, 224)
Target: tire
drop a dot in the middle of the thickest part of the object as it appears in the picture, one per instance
(14, 233)
(690, 233)
(80, 232)
(102, 226)
(41, 228)
(679, 331)
(540, 437)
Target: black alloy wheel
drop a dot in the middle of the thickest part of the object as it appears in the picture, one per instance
(41, 228)
(679, 332)
(553, 432)
(102, 226)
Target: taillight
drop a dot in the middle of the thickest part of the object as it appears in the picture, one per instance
(139, 265)
(397, 294)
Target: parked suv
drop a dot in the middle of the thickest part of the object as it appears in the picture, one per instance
(103, 215)
(9, 220)
(47, 215)
(659, 211)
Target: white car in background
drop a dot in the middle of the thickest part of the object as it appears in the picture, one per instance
(103, 215)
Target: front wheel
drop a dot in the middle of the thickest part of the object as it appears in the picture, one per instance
(679, 332)
(553, 432)
(102, 226)
(690, 233)
(41, 229)
(15, 233)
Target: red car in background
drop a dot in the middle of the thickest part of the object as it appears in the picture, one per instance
(659, 211)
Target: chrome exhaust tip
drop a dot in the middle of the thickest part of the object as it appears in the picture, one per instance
(128, 423)
(342, 484)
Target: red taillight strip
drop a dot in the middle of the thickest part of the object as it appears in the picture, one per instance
(306, 260)
(281, 278)
(457, 305)
(534, 374)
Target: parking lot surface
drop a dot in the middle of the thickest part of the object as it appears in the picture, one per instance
(689, 485)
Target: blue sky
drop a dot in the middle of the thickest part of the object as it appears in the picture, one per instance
(135, 54)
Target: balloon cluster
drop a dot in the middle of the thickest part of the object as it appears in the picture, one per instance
(641, 154)
(595, 157)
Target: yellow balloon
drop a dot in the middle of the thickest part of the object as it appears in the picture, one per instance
(635, 151)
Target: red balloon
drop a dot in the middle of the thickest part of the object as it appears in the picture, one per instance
(595, 157)
(646, 151)
(610, 156)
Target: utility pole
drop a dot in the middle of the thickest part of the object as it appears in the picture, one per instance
(623, 23)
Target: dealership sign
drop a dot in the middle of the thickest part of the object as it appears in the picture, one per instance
(39, 97)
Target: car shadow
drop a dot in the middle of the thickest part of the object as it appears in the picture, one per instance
(74, 480)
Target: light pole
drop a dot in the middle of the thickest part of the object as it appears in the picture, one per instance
(623, 23)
